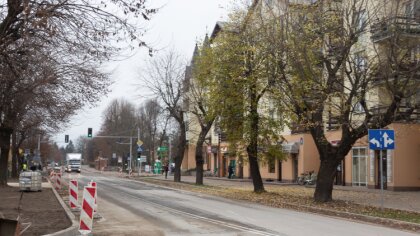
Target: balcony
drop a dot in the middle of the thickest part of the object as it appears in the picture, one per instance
(389, 27)
(332, 123)
(405, 72)
(404, 114)
(297, 128)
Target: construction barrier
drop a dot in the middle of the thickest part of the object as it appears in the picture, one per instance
(73, 193)
(57, 181)
(93, 184)
(86, 215)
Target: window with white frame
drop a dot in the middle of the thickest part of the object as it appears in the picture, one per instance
(360, 20)
(359, 166)
(360, 61)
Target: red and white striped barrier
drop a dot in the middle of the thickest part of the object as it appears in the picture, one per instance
(86, 215)
(57, 181)
(93, 184)
(73, 193)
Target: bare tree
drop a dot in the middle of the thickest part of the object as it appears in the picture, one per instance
(165, 77)
(54, 48)
(152, 122)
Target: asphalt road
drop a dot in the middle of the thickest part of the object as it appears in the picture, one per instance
(134, 208)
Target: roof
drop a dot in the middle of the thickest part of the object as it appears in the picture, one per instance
(217, 28)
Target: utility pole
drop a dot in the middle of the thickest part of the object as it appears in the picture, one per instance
(138, 139)
(130, 143)
(219, 155)
(39, 144)
(38, 153)
(169, 153)
(131, 152)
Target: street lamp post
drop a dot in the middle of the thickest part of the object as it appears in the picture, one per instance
(131, 153)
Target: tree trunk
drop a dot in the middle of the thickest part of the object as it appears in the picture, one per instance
(177, 174)
(240, 167)
(252, 148)
(199, 160)
(4, 154)
(15, 156)
(199, 176)
(252, 151)
(255, 170)
(325, 178)
(181, 151)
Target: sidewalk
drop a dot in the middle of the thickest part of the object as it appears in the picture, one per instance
(409, 201)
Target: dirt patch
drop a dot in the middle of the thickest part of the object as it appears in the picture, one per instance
(41, 209)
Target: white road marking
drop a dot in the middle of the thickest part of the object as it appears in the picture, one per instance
(217, 222)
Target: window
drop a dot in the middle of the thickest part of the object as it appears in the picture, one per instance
(359, 166)
(271, 165)
(360, 20)
(412, 9)
(269, 3)
(360, 61)
(358, 108)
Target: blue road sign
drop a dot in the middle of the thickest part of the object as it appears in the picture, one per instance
(139, 149)
(381, 139)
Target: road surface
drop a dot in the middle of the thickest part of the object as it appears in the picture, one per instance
(130, 207)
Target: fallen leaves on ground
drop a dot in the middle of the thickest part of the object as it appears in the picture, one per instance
(300, 199)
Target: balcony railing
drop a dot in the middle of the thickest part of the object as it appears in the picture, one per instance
(331, 124)
(386, 28)
(404, 113)
(296, 128)
(405, 70)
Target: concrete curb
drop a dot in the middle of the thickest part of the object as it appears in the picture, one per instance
(73, 229)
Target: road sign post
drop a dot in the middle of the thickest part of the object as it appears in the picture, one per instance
(381, 139)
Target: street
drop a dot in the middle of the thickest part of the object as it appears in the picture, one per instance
(130, 207)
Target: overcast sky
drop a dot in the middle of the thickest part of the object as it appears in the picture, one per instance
(179, 24)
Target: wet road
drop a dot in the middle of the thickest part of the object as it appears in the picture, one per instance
(134, 208)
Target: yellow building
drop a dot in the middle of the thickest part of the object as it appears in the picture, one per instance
(401, 167)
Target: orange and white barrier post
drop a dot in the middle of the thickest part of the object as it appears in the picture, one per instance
(86, 215)
(73, 193)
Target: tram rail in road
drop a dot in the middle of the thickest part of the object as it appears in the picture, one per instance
(175, 212)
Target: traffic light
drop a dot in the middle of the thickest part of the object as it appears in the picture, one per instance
(89, 132)
(66, 138)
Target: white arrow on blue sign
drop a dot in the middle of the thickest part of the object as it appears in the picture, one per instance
(381, 139)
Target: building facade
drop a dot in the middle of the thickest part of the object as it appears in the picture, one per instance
(360, 168)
